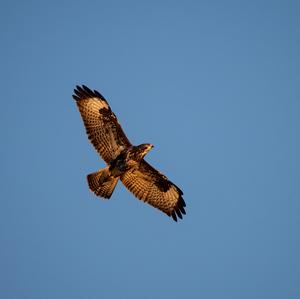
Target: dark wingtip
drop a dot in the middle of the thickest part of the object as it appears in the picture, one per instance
(178, 209)
(83, 92)
(182, 210)
(174, 216)
(183, 202)
(99, 95)
(178, 212)
(75, 97)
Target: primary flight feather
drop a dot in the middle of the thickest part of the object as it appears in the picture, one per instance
(124, 160)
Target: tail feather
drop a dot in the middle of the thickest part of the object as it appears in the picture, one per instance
(102, 183)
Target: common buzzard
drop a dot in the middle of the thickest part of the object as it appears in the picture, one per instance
(124, 160)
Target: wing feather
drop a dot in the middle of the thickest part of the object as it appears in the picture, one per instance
(152, 187)
(102, 126)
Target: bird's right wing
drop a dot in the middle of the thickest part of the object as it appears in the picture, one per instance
(152, 187)
(102, 126)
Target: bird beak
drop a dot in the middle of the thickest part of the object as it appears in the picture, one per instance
(150, 147)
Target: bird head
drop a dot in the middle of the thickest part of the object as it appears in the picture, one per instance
(144, 148)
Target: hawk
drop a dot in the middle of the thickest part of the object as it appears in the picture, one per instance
(124, 161)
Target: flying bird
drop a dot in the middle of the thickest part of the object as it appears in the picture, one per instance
(124, 161)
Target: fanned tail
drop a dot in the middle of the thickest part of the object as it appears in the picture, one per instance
(102, 183)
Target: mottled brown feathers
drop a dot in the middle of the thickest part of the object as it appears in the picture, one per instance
(102, 126)
(152, 187)
(101, 183)
(108, 138)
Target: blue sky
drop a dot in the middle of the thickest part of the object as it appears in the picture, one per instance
(215, 86)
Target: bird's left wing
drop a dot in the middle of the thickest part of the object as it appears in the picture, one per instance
(102, 126)
(152, 187)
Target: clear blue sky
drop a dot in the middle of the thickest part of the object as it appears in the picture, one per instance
(215, 86)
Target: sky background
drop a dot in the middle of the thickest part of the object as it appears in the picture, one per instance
(215, 86)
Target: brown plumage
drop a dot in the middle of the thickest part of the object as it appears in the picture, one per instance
(124, 161)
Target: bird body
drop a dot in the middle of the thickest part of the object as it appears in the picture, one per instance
(124, 161)
(129, 159)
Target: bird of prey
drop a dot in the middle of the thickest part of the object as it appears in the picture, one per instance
(124, 161)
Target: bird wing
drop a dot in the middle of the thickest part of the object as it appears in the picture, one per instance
(152, 187)
(102, 126)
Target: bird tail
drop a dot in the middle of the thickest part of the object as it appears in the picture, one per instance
(102, 183)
